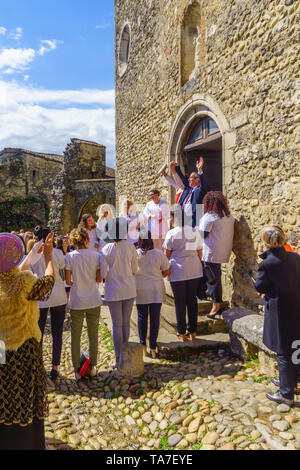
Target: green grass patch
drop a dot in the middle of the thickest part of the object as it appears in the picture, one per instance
(259, 379)
(164, 444)
(197, 446)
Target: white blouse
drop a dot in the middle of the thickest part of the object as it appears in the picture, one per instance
(58, 296)
(149, 280)
(217, 246)
(119, 264)
(84, 293)
(161, 210)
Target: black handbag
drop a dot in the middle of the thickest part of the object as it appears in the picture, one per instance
(208, 274)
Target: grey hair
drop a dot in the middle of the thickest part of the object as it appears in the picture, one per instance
(274, 237)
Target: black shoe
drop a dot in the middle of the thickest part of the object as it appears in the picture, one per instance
(218, 313)
(54, 374)
(276, 382)
(278, 398)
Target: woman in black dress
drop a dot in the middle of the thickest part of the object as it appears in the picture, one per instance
(279, 279)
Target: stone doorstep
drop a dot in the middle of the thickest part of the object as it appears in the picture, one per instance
(168, 322)
(204, 324)
(167, 341)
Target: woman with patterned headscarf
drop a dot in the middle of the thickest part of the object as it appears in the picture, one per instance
(23, 404)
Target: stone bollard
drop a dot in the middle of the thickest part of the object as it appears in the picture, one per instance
(131, 360)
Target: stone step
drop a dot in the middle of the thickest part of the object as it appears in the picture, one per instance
(204, 324)
(168, 344)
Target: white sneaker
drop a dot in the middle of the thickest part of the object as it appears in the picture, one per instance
(93, 372)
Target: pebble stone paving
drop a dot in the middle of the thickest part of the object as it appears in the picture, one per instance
(209, 401)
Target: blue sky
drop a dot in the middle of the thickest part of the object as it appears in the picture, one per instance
(56, 73)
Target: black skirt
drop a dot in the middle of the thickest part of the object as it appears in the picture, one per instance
(16, 437)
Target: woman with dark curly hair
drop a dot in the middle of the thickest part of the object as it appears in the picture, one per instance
(83, 275)
(217, 225)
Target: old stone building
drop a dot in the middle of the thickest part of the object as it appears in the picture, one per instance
(218, 78)
(81, 186)
(26, 179)
(35, 186)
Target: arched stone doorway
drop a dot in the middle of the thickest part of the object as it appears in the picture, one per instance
(202, 114)
(91, 204)
(201, 128)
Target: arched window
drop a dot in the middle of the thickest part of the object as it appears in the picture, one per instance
(124, 50)
(203, 129)
(205, 139)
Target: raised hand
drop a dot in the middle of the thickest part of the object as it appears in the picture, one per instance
(173, 165)
(200, 164)
(48, 245)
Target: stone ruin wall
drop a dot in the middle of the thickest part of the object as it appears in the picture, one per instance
(247, 62)
(26, 180)
(75, 190)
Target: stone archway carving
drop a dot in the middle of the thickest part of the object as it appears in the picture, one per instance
(85, 195)
(200, 105)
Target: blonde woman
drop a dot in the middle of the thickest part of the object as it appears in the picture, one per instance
(104, 213)
(128, 212)
(83, 274)
(279, 279)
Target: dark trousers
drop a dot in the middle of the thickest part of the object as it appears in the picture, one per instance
(288, 375)
(185, 297)
(57, 325)
(144, 310)
(215, 291)
(16, 437)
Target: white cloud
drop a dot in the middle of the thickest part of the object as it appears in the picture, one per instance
(103, 26)
(2, 30)
(27, 123)
(16, 34)
(14, 92)
(48, 45)
(16, 59)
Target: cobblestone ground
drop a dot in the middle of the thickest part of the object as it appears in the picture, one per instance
(204, 402)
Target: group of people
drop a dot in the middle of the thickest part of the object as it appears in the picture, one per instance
(129, 256)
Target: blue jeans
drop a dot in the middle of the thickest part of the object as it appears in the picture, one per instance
(143, 312)
(288, 375)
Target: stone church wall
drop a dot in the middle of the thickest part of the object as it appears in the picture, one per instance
(240, 58)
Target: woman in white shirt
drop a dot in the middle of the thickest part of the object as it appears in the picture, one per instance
(157, 213)
(105, 213)
(118, 267)
(183, 247)
(129, 213)
(56, 303)
(87, 222)
(153, 265)
(83, 274)
(217, 226)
